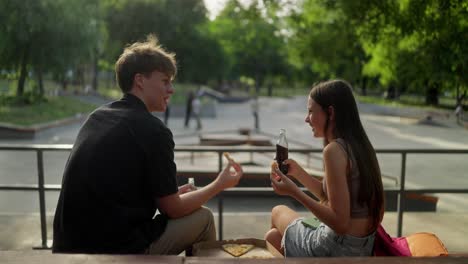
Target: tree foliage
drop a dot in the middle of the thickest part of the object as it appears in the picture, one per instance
(46, 35)
(411, 45)
(323, 43)
(178, 24)
(251, 40)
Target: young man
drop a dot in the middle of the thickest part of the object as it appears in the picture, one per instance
(121, 170)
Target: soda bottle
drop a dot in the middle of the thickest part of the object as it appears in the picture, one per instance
(282, 151)
(191, 181)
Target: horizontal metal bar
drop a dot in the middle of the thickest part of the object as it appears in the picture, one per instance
(232, 191)
(446, 190)
(262, 190)
(29, 187)
(63, 147)
(422, 151)
(48, 147)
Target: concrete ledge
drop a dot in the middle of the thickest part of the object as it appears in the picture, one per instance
(410, 112)
(234, 140)
(45, 256)
(10, 131)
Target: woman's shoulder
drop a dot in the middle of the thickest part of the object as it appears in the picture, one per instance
(334, 150)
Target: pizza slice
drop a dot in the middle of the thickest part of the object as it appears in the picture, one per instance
(228, 157)
(237, 250)
(274, 166)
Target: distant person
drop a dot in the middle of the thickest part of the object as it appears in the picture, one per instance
(188, 108)
(351, 194)
(459, 109)
(254, 105)
(459, 113)
(196, 110)
(121, 170)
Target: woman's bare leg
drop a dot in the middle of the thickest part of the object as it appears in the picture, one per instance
(281, 217)
(273, 236)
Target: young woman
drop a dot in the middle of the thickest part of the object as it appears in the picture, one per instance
(351, 194)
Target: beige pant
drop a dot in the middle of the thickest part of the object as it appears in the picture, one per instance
(182, 233)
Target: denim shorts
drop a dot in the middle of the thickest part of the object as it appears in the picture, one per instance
(304, 241)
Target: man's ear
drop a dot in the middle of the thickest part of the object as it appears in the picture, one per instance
(138, 80)
(331, 112)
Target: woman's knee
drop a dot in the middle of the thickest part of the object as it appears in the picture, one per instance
(278, 210)
(272, 235)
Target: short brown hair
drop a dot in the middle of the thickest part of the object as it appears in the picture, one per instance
(143, 57)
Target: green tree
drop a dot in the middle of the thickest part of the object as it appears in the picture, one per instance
(251, 40)
(412, 44)
(180, 26)
(439, 27)
(324, 45)
(46, 35)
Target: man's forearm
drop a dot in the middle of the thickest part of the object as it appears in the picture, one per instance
(193, 200)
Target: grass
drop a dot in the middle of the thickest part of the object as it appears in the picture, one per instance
(113, 93)
(387, 102)
(408, 101)
(52, 109)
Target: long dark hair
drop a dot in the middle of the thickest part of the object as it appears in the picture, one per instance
(348, 126)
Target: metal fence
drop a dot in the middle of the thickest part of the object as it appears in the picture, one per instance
(41, 187)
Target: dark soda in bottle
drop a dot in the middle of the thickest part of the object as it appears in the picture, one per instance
(282, 151)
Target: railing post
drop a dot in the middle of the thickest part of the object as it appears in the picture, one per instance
(401, 194)
(220, 200)
(42, 205)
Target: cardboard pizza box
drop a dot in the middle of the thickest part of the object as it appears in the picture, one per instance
(262, 249)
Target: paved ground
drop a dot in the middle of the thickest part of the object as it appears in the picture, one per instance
(250, 217)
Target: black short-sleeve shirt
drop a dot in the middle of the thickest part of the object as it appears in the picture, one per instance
(122, 159)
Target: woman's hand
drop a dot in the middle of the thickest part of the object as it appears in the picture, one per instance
(294, 169)
(282, 184)
(228, 178)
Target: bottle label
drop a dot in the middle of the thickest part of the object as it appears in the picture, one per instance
(282, 155)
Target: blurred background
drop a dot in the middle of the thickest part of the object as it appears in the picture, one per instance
(402, 52)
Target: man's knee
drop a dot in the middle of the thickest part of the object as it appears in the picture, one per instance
(205, 224)
(204, 215)
(203, 219)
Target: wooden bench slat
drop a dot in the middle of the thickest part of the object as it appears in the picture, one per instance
(33, 257)
(353, 260)
(43, 257)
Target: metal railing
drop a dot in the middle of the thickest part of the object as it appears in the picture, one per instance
(41, 187)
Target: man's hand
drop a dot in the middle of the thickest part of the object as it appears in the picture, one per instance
(186, 188)
(230, 175)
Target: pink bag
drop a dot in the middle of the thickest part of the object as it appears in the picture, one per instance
(414, 245)
(385, 245)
